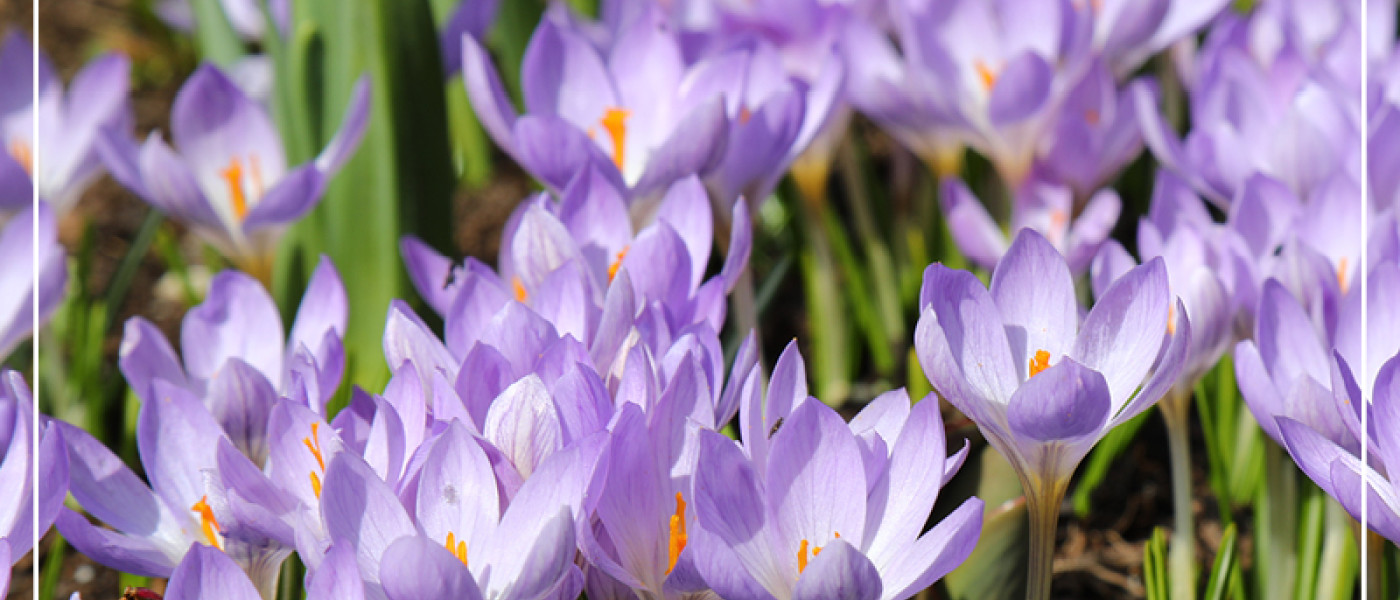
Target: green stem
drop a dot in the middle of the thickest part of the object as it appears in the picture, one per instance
(883, 281)
(1176, 410)
(830, 341)
(1338, 564)
(1043, 503)
(1276, 512)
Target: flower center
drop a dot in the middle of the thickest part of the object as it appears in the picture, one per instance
(678, 537)
(1342, 280)
(987, 73)
(1040, 362)
(238, 193)
(615, 122)
(802, 554)
(457, 547)
(313, 444)
(520, 294)
(23, 154)
(207, 523)
(617, 263)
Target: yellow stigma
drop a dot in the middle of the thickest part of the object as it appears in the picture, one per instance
(615, 122)
(1040, 363)
(313, 444)
(1342, 275)
(678, 537)
(989, 77)
(457, 547)
(233, 175)
(23, 154)
(520, 294)
(207, 522)
(617, 263)
(802, 554)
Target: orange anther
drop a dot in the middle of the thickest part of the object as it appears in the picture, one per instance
(1343, 276)
(989, 77)
(1040, 363)
(520, 294)
(233, 175)
(23, 154)
(617, 263)
(457, 547)
(615, 122)
(677, 540)
(207, 523)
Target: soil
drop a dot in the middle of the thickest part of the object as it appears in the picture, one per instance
(1098, 557)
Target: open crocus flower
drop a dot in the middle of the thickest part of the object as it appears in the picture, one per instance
(988, 75)
(70, 123)
(1077, 232)
(18, 477)
(824, 518)
(1094, 136)
(237, 358)
(1300, 129)
(152, 528)
(230, 180)
(621, 112)
(1042, 386)
(17, 276)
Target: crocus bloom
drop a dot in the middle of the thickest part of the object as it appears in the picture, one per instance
(1301, 128)
(70, 123)
(622, 113)
(1340, 471)
(1042, 386)
(820, 517)
(988, 75)
(154, 527)
(1127, 33)
(230, 180)
(1077, 232)
(18, 478)
(235, 351)
(1094, 135)
(471, 18)
(17, 276)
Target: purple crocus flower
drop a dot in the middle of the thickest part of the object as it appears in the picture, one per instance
(471, 18)
(152, 528)
(17, 276)
(1339, 470)
(236, 356)
(987, 75)
(1300, 129)
(1042, 386)
(623, 113)
(1127, 33)
(1076, 231)
(18, 477)
(1094, 135)
(230, 180)
(824, 515)
(69, 124)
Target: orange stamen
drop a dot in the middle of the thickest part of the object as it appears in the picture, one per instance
(520, 294)
(678, 536)
(1342, 275)
(1091, 116)
(802, 556)
(989, 77)
(457, 547)
(744, 115)
(207, 521)
(1040, 363)
(617, 263)
(23, 154)
(1171, 319)
(316, 484)
(233, 175)
(615, 122)
(313, 444)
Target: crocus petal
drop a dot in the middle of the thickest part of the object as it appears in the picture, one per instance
(695, 146)
(1111, 262)
(136, 555)
(1022, 89)
(352, 130)
(840, 572)
(493, 108)
(971, 361)
(293, 196)
(146, 356)
(813, 444)
(1066, 401)
(324, 308)
(1124, 331)
(170, 184)
(562, 74)
(937, 553)
(431, 273)
(174, 435)
(553, 149)
(207, 573)
(979, 238)
(729, 504)
(240, 399)
(237, 320)
(1034, 292)
(338, 577)
(457, 488)
(416, 568)
(360, 509)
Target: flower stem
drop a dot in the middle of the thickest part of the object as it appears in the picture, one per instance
(1043, 503)
(1176, 410)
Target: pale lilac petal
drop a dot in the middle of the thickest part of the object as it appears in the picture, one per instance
(840, 572)
(207, 573)
(415, 568)
(1124, 331)
(238, 319)
(1034, 292)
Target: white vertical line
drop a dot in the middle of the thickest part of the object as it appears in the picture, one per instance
(34, 301)
(1365, 270)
